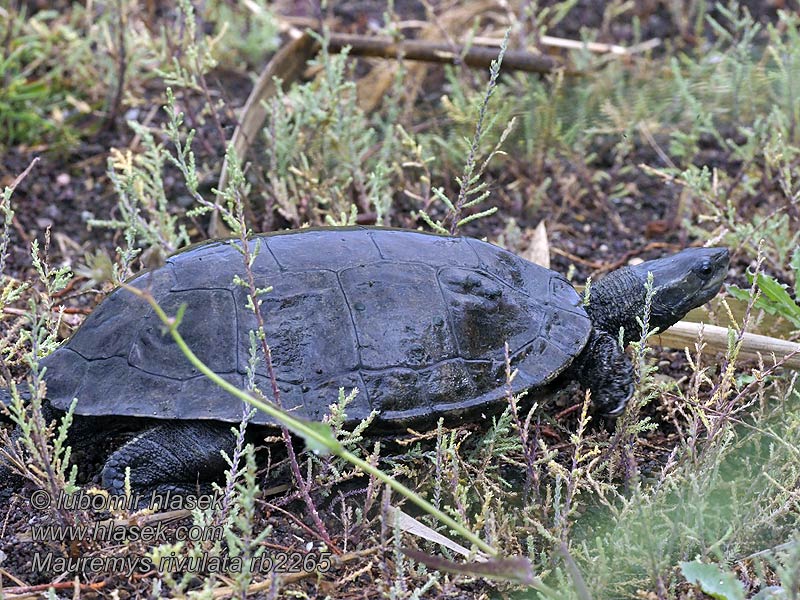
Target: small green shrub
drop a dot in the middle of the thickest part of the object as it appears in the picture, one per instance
(37, 100)
(774, 298)
(324, 155)
(38, 449)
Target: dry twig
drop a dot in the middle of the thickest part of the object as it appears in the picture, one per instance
(480, 57)
(685, 333)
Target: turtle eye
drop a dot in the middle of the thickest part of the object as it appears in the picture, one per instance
(705, 269)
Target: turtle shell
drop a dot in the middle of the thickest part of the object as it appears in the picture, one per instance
(416, 321)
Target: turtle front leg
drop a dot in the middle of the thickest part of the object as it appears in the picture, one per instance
(181, 458)
(604, 368)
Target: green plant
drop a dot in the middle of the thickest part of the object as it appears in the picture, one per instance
(146, 216)
(713, 581)
(187, 68)
(58, 69)
(37, 449)
(723, 583)
(741, 95)
(248, 31)
(35, 97)
(324, 156)
(774, 298)
(472, 191)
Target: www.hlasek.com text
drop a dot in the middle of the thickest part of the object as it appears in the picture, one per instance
(123, 533)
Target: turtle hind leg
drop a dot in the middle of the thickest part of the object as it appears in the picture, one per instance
(181, 458)
(604, 368)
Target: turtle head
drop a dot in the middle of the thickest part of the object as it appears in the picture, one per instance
(682, 282)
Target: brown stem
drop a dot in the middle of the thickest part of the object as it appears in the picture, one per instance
(58, 585)
(475, 56)
(529, 449)
(115, 104)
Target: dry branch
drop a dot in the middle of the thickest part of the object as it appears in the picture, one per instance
(568, 44)
(684, 333)
(474, 56)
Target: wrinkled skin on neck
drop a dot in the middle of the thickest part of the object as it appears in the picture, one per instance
(615, 301)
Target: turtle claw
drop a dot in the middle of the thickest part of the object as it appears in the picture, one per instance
(620, 408)
(617, 411)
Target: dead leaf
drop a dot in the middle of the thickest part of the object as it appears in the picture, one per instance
(538, 251)
(409, 524)
(517, 569)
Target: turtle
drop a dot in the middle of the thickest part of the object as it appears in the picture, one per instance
(417, 322)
